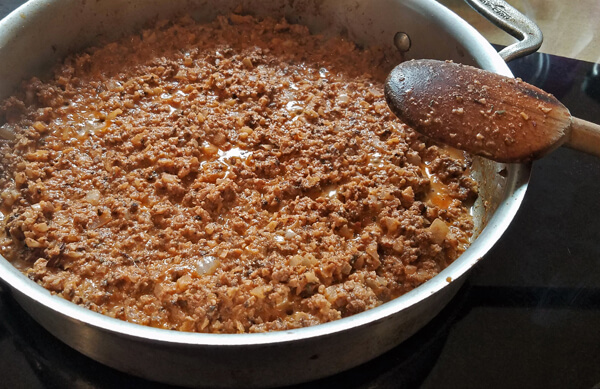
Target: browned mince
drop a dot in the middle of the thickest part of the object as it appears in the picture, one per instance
(240, 176)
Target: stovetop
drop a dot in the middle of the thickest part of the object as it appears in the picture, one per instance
(528, 316)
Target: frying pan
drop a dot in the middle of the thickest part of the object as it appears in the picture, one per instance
(41, 32)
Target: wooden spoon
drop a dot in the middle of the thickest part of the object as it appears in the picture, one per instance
(497, 117)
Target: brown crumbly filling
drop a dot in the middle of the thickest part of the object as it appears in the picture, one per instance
(241, 176)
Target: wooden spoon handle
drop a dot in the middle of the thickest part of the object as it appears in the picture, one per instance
(585, 136)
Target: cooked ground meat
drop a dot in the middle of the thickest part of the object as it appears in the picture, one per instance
(241, 176)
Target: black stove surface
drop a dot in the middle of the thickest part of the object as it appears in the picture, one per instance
(528, 316)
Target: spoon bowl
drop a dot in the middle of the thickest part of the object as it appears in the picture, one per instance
(484, 113)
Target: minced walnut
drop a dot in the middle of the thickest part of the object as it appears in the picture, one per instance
(240, 176)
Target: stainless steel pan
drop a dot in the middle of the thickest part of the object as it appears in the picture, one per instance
(42, 31)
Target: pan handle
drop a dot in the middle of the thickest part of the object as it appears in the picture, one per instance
(513, 22)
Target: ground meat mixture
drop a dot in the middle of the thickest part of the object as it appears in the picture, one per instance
(240, 176)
